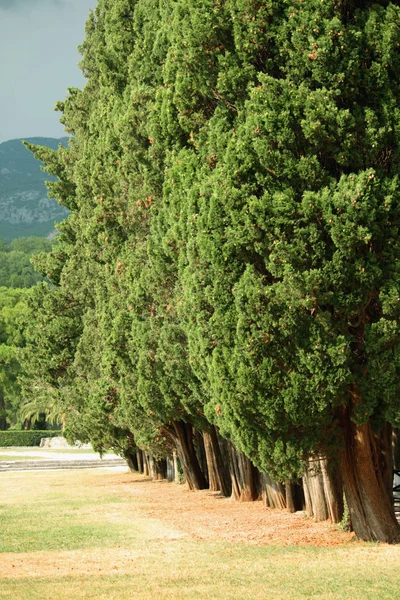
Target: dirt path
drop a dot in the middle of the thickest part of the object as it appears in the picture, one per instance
(207, 515)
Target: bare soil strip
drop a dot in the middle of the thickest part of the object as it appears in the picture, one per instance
(208, 515)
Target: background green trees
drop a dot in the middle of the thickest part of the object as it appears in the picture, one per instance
(12, 306)
(228, 277)
(16, 269)
(17, 274)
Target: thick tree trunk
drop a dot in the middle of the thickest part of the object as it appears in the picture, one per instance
(198, 441)
(368, 489)
(222, 461)
(218, 470)
(314, 484)
(187, 455)
(294, 496)
(333, 490)
(323, 491)
(273, 493)
(244, 486)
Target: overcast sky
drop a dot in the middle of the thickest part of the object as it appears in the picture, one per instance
(38, 62)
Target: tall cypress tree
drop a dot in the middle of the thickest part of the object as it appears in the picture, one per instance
(285, 210)
(234, 232)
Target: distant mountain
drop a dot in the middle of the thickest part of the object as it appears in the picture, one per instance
(25, 209)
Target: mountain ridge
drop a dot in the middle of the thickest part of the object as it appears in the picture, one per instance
(25, 208)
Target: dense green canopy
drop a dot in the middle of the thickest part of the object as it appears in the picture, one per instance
(233, 245)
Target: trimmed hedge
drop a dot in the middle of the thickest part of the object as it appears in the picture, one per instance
(24, 438)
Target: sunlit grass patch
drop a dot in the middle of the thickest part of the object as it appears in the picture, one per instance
(11, 457)
(83, 535)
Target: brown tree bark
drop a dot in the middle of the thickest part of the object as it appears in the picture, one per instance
(213, 478)
(187, 455)
(218, 469)
(323, 491)
(333, 491)
(146, 466)
(244, 486)
(273, 493)
(221, 448)
(364, 470)
(314, 486)
(176, 466)
(290, 496)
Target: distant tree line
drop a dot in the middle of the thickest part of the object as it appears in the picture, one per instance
(16, 269)
(17, 275)
(227, 285)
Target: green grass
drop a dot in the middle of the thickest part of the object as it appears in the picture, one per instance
(132, 555)
(35, 526)
(18, 457)
(32, 450)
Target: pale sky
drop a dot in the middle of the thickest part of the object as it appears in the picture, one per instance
(38, 62)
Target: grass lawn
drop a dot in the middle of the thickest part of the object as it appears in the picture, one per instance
(97, 534)
(19, 451)
(37, 453)
(17, 457)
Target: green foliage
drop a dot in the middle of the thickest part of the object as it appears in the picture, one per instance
(12, 309)
(16, 269)
(15, 438)
(345, 523)
(232, 255)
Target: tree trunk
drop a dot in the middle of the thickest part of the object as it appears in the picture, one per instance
(131, 459)
(176, 467)
(244, 488)
(364, 469)
(290, 492)
(187, 455)
(274, 493)
(159, 469)
(323, 491)
(313, 481)
(198, 442)
(3, 419)
(213, 478)
(151, 466)
(222, 461)
(139, 455)
(146, 466)
(27, 424)
(333, 490)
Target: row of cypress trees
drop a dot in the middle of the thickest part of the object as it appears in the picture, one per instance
(227, 283)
